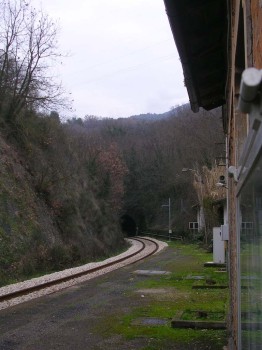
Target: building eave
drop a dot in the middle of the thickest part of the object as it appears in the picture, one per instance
(200, 30)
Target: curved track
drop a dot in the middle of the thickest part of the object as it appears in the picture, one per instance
(148, 247)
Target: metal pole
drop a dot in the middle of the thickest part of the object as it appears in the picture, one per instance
(169, 219)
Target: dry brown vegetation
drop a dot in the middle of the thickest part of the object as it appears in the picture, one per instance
(65, 186)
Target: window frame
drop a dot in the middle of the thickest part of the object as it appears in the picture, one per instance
(251, 153)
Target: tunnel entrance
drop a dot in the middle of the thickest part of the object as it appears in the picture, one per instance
(128, 225)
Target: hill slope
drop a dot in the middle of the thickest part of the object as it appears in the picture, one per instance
(53, 227)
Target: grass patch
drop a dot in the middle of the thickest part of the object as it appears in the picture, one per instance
(163, 336)
(178, 298)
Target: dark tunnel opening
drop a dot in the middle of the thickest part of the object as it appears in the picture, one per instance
(128, 225)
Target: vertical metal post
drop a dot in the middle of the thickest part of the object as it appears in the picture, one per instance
(169, 219)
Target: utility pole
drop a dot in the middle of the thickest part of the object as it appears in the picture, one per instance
(169, 218)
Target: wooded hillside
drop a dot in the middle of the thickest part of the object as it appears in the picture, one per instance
(155, 152)
(65, 188)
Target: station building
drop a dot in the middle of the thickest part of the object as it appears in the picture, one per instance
(220, 47)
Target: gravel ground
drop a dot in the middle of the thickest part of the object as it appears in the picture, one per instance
(134, 246)
(81, 316)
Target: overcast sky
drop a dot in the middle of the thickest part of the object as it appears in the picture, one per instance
(123, 59)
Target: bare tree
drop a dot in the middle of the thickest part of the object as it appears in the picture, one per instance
(205, 184)
(28, 47)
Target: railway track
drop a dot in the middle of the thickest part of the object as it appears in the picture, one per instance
(21, 292)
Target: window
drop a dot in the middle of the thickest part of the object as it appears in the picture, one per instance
(193, 225)
(251, 259)
(249, 196)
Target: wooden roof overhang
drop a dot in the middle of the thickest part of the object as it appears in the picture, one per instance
(200, 30)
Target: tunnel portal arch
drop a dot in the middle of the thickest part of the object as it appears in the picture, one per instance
(128, 225)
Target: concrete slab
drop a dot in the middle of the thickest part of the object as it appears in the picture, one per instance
(195, 277)
(178, 322)
(213, 264)
(151, 272)
(155, 291)
(198, 324)
(207, 286)
(222, 270)
(150, 321)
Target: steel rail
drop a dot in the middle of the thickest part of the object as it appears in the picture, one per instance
(59, 280)
(151, 253)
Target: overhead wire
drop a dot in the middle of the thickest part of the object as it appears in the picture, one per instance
(132, 68)
(127, 54)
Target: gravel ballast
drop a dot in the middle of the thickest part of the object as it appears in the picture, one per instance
(134, 246)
